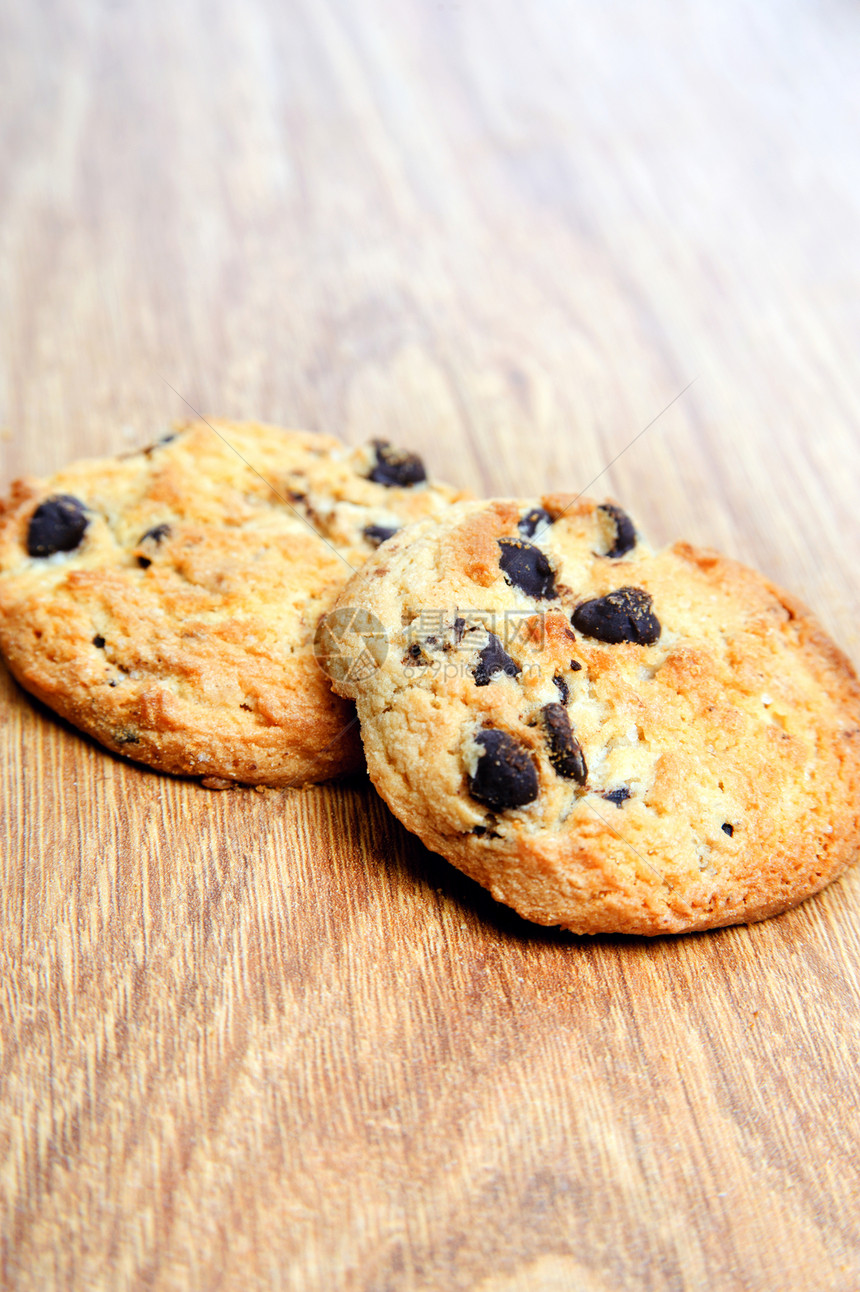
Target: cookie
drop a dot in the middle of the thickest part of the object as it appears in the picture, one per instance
(609, 738)
(166, 601)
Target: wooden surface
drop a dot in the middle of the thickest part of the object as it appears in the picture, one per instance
(264, 1040)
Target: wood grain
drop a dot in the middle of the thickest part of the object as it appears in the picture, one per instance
(264, 1040)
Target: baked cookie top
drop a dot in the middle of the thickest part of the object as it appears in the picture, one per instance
(166, 601)
(607, 737)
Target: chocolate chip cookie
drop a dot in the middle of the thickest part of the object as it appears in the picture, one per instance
(609, 738)
(166, 601)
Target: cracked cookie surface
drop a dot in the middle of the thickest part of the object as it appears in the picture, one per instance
(609, 738)
(166, 601)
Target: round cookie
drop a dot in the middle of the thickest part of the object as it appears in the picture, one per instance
(609, 738)
(166, 601)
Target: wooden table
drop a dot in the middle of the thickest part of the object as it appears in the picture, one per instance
(264, 1040)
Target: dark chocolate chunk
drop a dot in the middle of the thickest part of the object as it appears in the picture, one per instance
(621, 616)
(459, 628)
(99, 641)
(57, 525)
(505, 776)
(617, 796)
(534, 520)
(156, 534)
(377, 534)
(396, 467)
(575, 665)
(127, 737)
(563, 688)
(729, 829)
(415, 655)
(625, 530)
(565, 751)
(493, 659)
(527, 568)
(481, 830)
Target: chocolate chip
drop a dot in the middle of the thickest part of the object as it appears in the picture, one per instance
(481, 830)
(617, 796)
(377, 534)
(99, 641)
(622, 616)
(527, 568)
(575, 665)
(493, 659)
(415, 655)
(565, 751)
(563, 688)
(156, 534)
(396, 467)
(57, 525)
(533, 520)
(127, 738)
(729, 829)
(505, 776)
(625, 530)
(459, 628)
